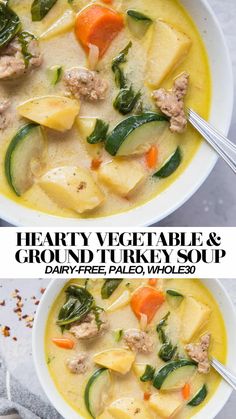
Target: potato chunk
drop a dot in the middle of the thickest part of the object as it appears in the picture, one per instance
(118, 359)
(166, 405)
(72, 187)
(56, 112)
(194, 317)
(122, 176)
(168, 49)
(64, 24)
(129, 408)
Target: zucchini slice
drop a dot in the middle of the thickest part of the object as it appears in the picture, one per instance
(134, 133)
(26, 146)
(98, 385)
(199, 396)
(171, 165)
(138, 23)
(174, 298)
(174, 375)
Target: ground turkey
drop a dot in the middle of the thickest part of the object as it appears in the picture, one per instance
(5, 114)
(171, 103)
(85, 84)
(78, 364)
(12, 63)
(89, 328)
(199, 353)
(138, 341)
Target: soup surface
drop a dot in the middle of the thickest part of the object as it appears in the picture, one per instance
(75, 163)
(119, 358)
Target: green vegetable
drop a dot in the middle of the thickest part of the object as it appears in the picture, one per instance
(27, 144)
(174, 374)
(96, 387)
(121, 58)
(199, 397)
(10, 24)
(99, 133)
(127, 132)
(171, 165)
(167, 351)
(79, 302)
(24, 39)
(174, 298)
(160, 328)
(138, 16)
(148, 374)
(55, 74)
(97, 311)
(126, 100)
(40, 9)
(109, 287)
(118, 334)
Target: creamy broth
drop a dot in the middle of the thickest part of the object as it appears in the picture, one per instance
(69, 148)
(72, 386)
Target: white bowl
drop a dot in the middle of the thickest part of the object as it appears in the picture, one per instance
(214, 405)
(200, 167)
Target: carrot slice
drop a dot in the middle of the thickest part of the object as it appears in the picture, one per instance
(108, 1)
(151, 157)
(98, 25)
(146, 300)
(64, 343)
(95, 164)
(186, 391)
(146, 395)
(152, 282)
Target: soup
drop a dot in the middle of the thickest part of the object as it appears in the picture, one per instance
(135, 348)
(92, 114)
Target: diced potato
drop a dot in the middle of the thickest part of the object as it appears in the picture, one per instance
(129, 408)
(56, 112)
(122, 176)
(194, 317)
(122, 301)
(86, 127)
(64, 24)
(72, 187)
(166, 405)
(118, 359)
(168, 49)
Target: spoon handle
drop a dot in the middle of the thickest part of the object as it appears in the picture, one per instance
(229, 377)
(224, 147)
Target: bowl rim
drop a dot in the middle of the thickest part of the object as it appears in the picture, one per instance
(210, 410)
(143, 215)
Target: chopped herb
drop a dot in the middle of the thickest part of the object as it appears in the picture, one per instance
(50, 359)
(148, 374)
(99, 133)
(167, 351)
(24, 39)
(118, 334)
(160, 328)
(97, 311)
(126, 100)
(121, 58)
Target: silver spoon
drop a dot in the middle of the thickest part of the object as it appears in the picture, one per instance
(224, 147)
(228, 376)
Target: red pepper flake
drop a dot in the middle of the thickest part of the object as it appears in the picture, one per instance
(14, 338)
(146, 395)
(37, 303)
(2, 303)
(42, 290)
(5, 330)
(95, 164)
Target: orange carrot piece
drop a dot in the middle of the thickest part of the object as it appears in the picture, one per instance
(152, 282)
(64, 343)
(146, 300)
(186, 391)
(108, 1)
(95, 164)
(146, 396)
(98, 25)
(151, 157)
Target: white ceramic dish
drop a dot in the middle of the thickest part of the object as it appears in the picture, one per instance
(212, 408)
(202, 164)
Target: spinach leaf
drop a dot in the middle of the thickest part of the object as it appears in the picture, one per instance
(116, 62)
(126, 100)
(10, 24)
(79, 303)
(109, 287)
(40, 9)
(160, 328)
(167, 351)
(97, 311)
(99, 133)
(148, 374)
(24, 39)
(138, 16)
